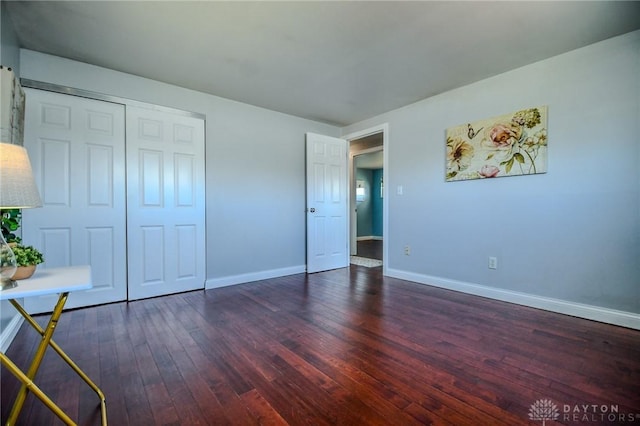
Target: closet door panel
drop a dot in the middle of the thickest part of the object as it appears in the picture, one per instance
(166, 206)
(77, 151)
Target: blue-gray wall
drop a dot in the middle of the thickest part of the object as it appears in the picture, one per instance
(567, 240)
(10, 58)
(255, 168)
(9, 49)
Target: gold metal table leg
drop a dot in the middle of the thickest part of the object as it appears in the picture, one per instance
(34, 389)
(37, 359)
(47, 340)
(67, 359)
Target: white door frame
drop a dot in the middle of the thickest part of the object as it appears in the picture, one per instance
(384, 129)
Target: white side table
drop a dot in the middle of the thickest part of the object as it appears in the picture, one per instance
(47, 281)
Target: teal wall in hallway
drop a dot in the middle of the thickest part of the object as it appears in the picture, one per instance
(376, 202)
(370, 210)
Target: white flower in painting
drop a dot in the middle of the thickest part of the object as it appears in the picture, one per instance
(459, 154)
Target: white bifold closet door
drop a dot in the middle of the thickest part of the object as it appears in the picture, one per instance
(165, 203)
(77, 152)
(122, 190)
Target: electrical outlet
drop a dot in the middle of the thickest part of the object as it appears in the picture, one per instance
(493, 263)
(407, 250)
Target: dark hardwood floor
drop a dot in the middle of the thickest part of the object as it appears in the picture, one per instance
(371, 249)
(344, 347)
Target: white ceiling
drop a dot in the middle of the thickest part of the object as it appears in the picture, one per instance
(333, 61)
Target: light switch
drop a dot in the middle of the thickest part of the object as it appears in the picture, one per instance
(400, 190)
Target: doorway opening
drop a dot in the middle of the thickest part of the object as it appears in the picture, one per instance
(368, 206)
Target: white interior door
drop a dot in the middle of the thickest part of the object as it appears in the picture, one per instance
(327, 203)
(76, 147)
(165, 203)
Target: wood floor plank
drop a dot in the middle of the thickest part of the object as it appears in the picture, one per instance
(342, 347)
(261, 410)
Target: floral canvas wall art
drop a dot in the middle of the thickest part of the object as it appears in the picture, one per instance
(508, 145)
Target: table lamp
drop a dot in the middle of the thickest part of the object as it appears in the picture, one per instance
(18, 190)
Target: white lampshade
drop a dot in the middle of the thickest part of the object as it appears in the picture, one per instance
(18, 189)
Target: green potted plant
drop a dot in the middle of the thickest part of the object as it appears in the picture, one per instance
(27, 257)
(10, 219)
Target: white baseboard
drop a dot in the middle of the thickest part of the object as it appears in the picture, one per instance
(369, 237)
(10, 332)
(596, 313)
(253, 276)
